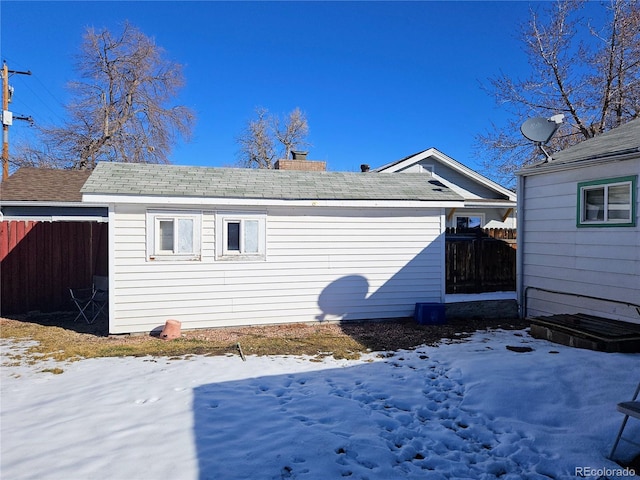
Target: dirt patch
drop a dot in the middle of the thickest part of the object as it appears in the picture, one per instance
(407, 334)
(519, 349)
(341, 340)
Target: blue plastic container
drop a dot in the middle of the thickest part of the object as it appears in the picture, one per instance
(430, 314)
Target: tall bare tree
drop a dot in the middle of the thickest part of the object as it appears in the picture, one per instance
(267, 138)
(121, 107)
(292, 133)
(588, 73)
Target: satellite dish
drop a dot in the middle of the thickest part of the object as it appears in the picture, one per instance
(539, 130)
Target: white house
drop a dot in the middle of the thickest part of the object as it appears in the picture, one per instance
(578, 229)
(486, 203)
(225, 247)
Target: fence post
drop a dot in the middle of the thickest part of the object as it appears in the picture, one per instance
(477, 261)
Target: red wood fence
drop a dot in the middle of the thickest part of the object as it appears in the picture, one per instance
(479, 261)
(39, 261)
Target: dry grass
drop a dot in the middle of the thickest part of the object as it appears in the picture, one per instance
(69, 342)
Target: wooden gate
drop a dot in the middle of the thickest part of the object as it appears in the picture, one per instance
(39, 261)
(479, 261)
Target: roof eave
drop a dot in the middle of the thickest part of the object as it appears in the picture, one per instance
(548, 167)
(173, 201)
(42, 203)
(16, 210)
(491, 204)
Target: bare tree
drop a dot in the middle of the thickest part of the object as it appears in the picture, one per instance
(120, 109)
(293, 132)
(257, 144)
(267, 138)
(590, 75)
(26, 155)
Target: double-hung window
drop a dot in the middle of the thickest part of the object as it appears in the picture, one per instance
(610, 202)
(173, 235)
(240, 236)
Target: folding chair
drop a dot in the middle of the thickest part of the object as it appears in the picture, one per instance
(91, 302)
(101, 296)
(629, 409)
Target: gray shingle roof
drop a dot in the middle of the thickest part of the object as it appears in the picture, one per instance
(618, 140)
(182, 181)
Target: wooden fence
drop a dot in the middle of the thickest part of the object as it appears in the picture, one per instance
(479, 261)
(39, 261)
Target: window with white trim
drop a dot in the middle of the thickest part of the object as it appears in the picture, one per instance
(173, 235)
(608, 202)
(469, 221)
(240, 236)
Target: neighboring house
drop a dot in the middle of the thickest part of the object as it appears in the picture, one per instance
(578, 229)
(486, 204)
(42, 194)
(215, 247)
(49, 239)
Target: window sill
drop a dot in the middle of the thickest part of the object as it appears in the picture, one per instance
(174, 258)
(242, 258)
(606, 224)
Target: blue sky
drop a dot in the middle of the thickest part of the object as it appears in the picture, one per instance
(377, 80)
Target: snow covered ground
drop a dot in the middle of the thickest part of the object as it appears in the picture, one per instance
(461, 410)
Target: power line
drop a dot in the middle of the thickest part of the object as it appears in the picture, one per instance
(7, 117)
(46, 99)
(41, 106)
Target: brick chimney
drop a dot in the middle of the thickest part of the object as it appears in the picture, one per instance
(299, 162)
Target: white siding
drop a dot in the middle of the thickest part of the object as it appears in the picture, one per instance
(321, 264)
(599, 262)
(469, 189)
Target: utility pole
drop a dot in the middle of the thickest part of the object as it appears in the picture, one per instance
(7, 117)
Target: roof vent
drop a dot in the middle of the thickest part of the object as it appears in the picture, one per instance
(364, 168)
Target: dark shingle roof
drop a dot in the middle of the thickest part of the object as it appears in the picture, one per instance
(625, 138)
(44, 185)
(181, 181)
